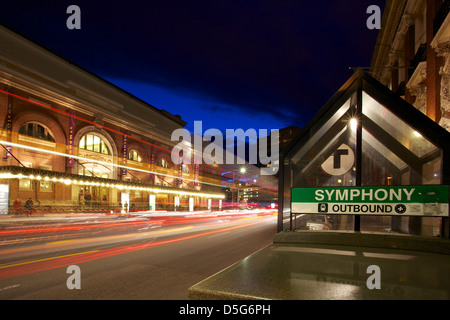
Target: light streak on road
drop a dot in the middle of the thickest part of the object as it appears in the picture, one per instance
(204, 226)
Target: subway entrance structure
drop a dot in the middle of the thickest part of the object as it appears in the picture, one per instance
(370, 172)
(369, 162)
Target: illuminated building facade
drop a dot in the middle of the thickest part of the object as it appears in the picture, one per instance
(70, 139)
(412, 55)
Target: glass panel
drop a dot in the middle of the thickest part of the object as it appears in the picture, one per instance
(40, 132)
(46, 186)
(162, 163)
(96, 147)
(82, 144)
(395, 154)
(431, 171)
(380, 166)
(396, 127)
(320, 129)
(104, 194)
(25, 184)
(94, 143)
(327, 159)
(133, 155)
(37, 131)
(105, 149)
(385, 153)
(30, 129)
(89, 142)
(330, 160)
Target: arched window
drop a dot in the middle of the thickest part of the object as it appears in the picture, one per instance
(162, 163)
(36, 130)
(185, 168)
(134, 155)
(94, 143)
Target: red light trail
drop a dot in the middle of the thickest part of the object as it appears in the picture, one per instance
(38, 265)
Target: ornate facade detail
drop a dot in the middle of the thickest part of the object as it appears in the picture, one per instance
(445, 123)
(406, 21)
(443, 50)
(420, 92)
(98, 118)
(417, 87)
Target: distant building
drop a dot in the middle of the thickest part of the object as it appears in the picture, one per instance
(286, 137)
(412, 55)
(244, 185)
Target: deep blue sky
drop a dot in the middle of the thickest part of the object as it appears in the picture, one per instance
(232, 64)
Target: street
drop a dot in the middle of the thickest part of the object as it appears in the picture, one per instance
(155, 257)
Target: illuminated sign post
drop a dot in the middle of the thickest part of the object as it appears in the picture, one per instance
(426, 200)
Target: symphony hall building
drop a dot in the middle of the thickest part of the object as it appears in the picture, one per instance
(71, 140)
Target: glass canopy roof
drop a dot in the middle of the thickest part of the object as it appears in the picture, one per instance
(365, 136)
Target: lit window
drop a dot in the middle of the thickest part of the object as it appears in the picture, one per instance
(82, 144)
(25, 184)
(104, 149)
(46, 186)
(94, 143)
(36, 130)
(163, 163)
(185, 168)
(96, 146)
(133, 155)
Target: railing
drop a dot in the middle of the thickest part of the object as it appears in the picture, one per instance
(440, 16)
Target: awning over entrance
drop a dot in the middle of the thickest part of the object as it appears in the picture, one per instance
(365, 136)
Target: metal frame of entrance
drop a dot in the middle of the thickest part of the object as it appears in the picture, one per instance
(353, 90)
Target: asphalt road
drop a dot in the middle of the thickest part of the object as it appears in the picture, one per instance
(142, 257)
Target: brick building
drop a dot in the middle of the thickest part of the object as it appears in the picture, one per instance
(70, 139)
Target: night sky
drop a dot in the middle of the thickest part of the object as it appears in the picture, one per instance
(231, 64)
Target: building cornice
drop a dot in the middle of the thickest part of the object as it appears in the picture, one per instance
(38, 93)
(58, 73)
(391, 19)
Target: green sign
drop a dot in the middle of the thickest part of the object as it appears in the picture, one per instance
(427, 200)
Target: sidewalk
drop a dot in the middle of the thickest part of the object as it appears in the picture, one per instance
(334, 266)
